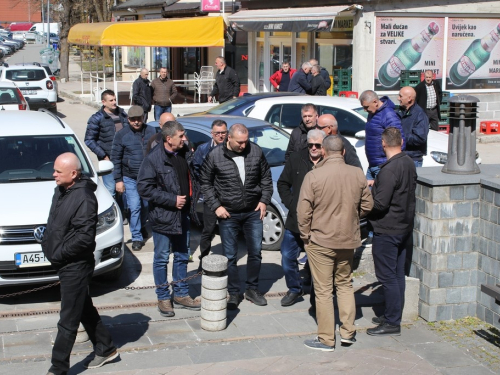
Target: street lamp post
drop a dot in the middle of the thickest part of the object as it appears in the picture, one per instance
(48, 23)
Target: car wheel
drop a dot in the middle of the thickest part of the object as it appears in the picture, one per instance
(53, 110)
(274, 230)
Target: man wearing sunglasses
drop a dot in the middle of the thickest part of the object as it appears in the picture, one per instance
(127, 154)
(219, 133)
(289, 183)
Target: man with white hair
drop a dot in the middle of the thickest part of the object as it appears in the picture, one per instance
(299, 82)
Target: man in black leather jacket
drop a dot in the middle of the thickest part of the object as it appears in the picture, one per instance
(237, 185)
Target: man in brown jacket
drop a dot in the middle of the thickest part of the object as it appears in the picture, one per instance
(164, 93)
(332, 199)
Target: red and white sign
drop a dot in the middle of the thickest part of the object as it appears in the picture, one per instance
(210, 6)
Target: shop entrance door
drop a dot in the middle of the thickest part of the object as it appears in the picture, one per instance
(280, 51)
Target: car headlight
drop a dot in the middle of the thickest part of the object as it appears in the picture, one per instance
(439, 157)
(107, 219)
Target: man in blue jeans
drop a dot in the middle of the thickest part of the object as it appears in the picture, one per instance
(129, 150)
(392, 220)
(297, 166)
(163, 181)
(381, 115)
(236, 184)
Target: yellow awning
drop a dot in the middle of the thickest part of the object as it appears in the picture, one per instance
(174, 32)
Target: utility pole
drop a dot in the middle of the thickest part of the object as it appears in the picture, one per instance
(48, 23)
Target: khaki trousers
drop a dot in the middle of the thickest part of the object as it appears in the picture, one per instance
(325, 263)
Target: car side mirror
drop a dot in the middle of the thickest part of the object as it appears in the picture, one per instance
(105, 167)
(360, 135)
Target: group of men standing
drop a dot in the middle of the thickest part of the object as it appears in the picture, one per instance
(310, 79)
(322, 185)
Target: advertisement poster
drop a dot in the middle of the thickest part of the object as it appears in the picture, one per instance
(404, 43)
(473, 60)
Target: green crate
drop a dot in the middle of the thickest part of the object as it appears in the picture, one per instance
(446, 94)
(443, 122)
(444, 108)
(409, 82)
(410, 74)
(342, 73)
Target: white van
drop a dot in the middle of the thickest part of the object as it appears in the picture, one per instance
(42, 28)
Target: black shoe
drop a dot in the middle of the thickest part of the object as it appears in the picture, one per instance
(233, 301)
(378, 320)
(350, 341)
(384, 329)
(290, 298)
(137, 245)
(253, 295)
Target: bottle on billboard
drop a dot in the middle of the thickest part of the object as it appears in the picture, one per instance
(474, 57)
(407, 55)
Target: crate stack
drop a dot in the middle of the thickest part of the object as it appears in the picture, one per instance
(444, 108)
(342, 80)
(409, 78)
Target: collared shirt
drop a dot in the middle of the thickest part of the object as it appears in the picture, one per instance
(431, 96)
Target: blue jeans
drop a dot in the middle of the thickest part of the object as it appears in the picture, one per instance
(161, 257)
(418, 163)
(161, 109)
(389, 256)
(251, 225)
(291, 247)
(109, 182)
(137, 207)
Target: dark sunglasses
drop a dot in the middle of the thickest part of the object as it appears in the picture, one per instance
(134, 119)
(317, 145)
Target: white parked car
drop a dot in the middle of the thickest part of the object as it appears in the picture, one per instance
(35, 84)
(284, 112)
(29, 144)
(11, 98)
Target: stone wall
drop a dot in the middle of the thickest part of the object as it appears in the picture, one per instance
(457, 243)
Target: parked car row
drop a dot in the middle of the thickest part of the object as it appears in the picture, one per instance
(36, 82)
(9, 45)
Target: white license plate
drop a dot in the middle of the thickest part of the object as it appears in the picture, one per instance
(31, 259)
(28, 92)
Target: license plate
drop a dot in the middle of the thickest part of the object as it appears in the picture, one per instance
(31, 259)
(28, 92)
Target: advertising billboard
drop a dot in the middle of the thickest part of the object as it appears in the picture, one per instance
(407, 43)
(473, 54)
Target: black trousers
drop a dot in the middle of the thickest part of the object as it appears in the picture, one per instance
(208, 232)
(389, 256)
(76, 307)
(433, 116)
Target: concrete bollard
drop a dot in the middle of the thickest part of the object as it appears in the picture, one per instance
(214, 293)
(410, 311)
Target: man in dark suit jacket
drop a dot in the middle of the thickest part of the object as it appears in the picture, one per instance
(429, 96)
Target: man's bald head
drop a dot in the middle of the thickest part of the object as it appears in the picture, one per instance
(67, 169)
(407, 97)
(165, 117)
(328, 124)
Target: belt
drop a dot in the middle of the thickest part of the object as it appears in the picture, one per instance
(167, 104)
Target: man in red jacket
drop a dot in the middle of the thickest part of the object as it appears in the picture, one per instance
(282, 77)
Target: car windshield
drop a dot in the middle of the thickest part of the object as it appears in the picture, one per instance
(25, 74)
(361, 112)
(227, 106)
(31, 158)
(273, 142)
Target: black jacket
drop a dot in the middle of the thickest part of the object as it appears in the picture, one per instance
(421, 91)
(101, 131)
(221, 184)
(129, 150)
(158, 183)
(227, 84)
(318, 86)
(394, 196)
(298, 140)
(142, 93)
(71, 226)
(290, 182)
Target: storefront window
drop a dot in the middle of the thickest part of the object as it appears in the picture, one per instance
(161, 58)
(136, 57)
(301, 55)
(334, 56)
(260, 62)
